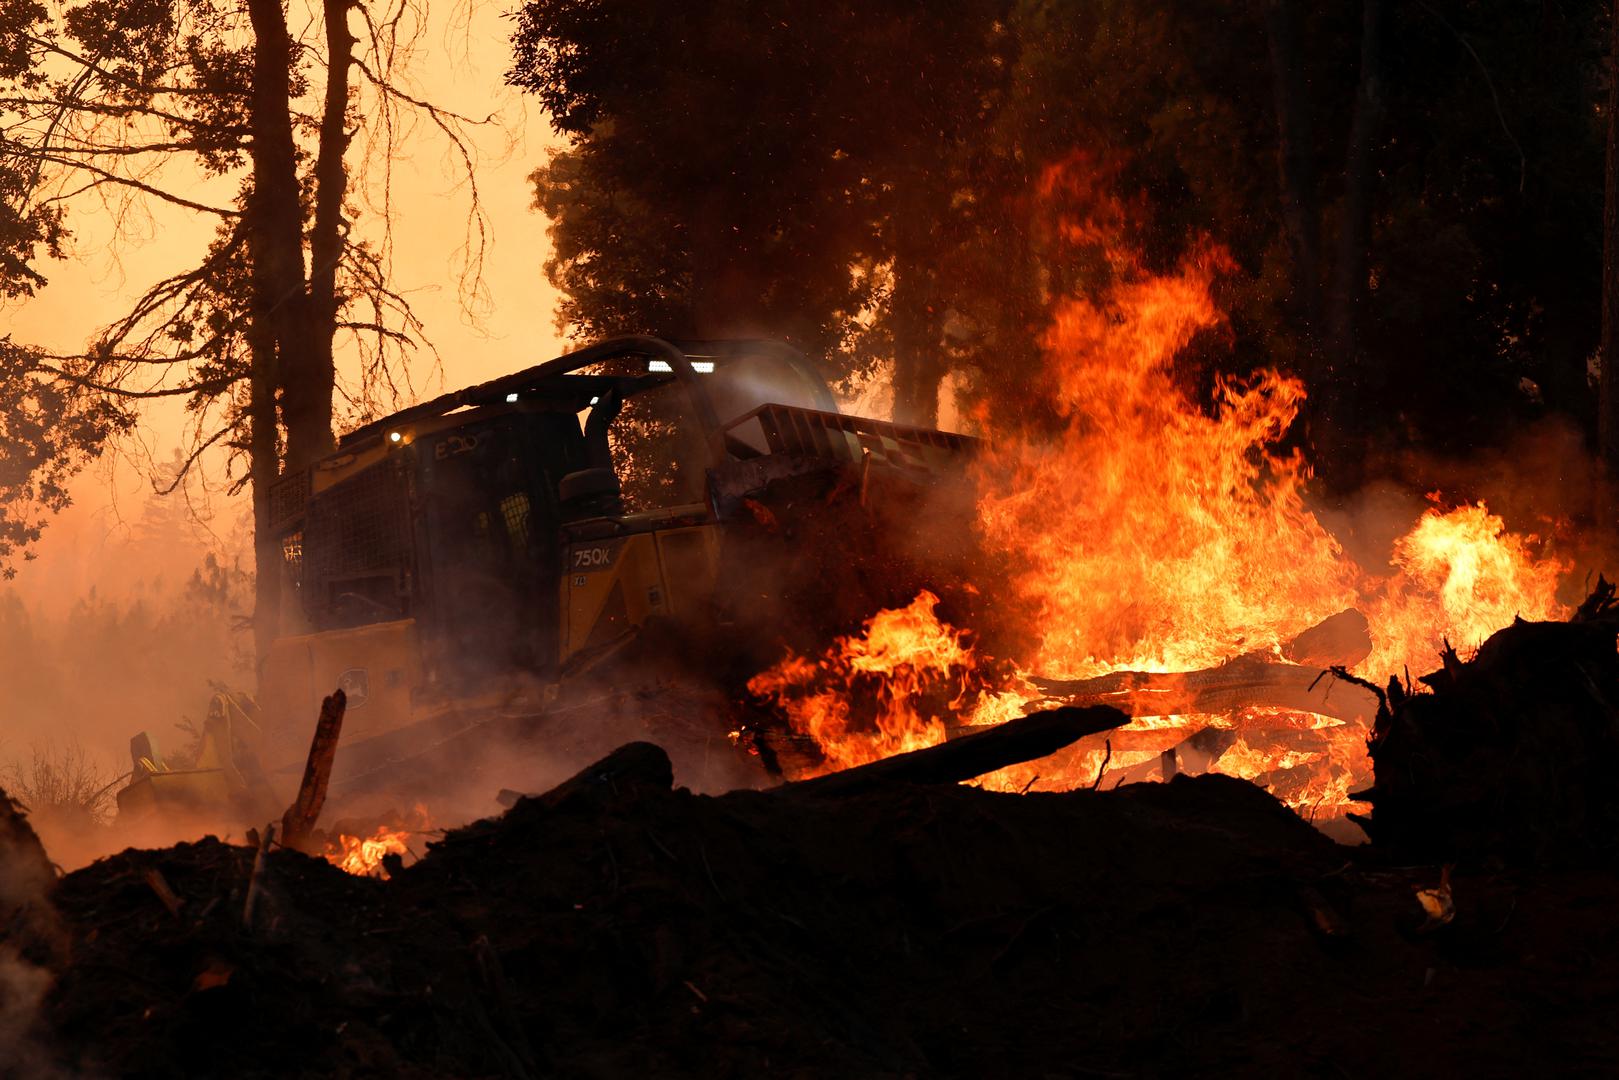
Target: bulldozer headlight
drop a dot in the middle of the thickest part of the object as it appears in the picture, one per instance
(702, 367)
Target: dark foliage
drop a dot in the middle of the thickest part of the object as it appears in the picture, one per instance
(780, 168)
(47, 433)
(739, 169)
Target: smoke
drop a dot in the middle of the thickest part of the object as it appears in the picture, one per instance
(1542, 480)
(118, 628)
(127, 635)
(32, 942)
(23, 987)
(522, 747)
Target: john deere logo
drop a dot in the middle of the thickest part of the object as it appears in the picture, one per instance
(356, 686)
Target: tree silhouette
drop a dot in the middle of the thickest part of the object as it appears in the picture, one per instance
(107, 107)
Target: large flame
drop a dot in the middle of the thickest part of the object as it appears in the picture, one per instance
(907, 668)
(1460, 577)
(1150, 531)
(1155, 535)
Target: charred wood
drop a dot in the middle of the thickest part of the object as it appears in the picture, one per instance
(635, 766)
(1341, 640)
(299, 821)
(1012, 743)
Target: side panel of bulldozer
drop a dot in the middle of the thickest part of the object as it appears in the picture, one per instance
(614, 585)
(376, 666)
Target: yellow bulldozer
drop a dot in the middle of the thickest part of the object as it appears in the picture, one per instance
(465, 560)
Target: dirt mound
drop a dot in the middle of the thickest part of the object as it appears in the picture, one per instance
(617, 926)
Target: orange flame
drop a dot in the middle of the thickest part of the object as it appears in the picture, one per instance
(363, 856)
(1460, 577)
(1156, 536)
(907, 665)
(1153, 533)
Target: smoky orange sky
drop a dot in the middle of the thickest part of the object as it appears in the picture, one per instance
(463, 53)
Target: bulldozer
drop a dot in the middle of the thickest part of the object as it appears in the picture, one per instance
(464, 561)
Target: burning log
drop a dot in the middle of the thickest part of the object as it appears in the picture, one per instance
(1341, 640)
(1012, 743)
(1301, 683)
(1311, 680)
(299, 821)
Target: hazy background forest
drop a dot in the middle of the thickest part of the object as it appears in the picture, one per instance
(1408, 200)
(131, 601)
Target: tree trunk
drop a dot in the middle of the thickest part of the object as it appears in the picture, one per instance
(281, 295)
(263, 468)
(917, 373)
(308, 395)
(1608, 388)
(278, 328)
(1295, 164)
(913, 314)
(1355, 228)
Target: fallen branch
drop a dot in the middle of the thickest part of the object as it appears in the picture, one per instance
(1012, 743)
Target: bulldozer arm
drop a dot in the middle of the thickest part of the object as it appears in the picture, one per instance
(223, 779)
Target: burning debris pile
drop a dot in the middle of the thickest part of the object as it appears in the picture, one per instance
(887, 920)
(1148, 546)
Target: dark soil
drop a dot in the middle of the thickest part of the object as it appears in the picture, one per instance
(619, 927)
